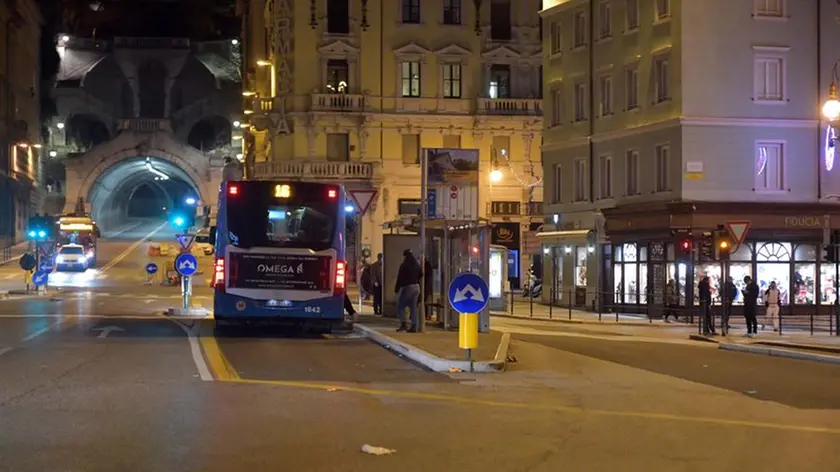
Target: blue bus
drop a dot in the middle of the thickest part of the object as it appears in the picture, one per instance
(280, 254)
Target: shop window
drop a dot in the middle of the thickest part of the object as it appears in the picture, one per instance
(805, 275)
(773, 265)
(580, 266)
(744, 253)
(679, 274)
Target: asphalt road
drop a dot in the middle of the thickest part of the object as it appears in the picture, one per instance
(93, 378)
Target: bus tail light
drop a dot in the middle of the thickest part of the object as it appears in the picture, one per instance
(340, 277)
(332, 194)
(219, 274)
(233, 190)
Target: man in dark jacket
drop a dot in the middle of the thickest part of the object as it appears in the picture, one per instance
(705, 293)
(376, 284)
(750, 304)
(407, 289)
(730, 291)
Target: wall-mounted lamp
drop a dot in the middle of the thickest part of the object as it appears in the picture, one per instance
(546, 251)
(568, 249)
(59, 125)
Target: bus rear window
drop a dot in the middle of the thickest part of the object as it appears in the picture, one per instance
(257, 217)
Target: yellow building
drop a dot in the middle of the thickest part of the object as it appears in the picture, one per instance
(352, 90)
(20, 124)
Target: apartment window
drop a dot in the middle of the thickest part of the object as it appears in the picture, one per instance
(452, 80)
(605, 94)
(663, 155)
(338, 16)
(558, 183)
(500, 18)
(661, 79)
(769, 167)
(769, 79)
(580, 180)
(338, 147)
(631, 87)
(556, 38)
(411, 11)
(580, 102)
(452, 12)
(663, 9)
(338, 72)
(770, 8)
(632, 175)
(499, 86)
(452, 141)
(605, 180)
(631, 9)
(411, 148)
(411, 79)
(580, 29)
(604, 19)
(557, 107)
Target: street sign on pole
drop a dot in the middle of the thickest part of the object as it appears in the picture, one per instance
(186, 264)
(40, 278)
(363, 199)
(151, 268)
(738, 231)
(468, 293)
(185, 241)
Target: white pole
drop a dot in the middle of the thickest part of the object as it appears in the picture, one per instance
(424, 163)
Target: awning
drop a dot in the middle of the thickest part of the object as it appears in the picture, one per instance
(573, 235)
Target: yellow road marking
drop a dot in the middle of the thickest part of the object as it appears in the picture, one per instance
(220, 367)
(537, 407)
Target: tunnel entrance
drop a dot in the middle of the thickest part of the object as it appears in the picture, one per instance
(142, 188)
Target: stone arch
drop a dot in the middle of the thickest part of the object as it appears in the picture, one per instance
(211, 132)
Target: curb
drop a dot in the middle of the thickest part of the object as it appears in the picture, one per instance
(594, 322)
(9, 261)
(700, 337)
(434, 363)
(774, 352)
(809, 347)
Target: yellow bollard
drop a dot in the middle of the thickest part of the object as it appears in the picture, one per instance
(468, 330)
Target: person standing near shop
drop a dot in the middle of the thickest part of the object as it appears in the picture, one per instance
(750, 305)
(376, 284)
(730, 291)
(772, 300)
(407, 289)
(671, 301)
(705, 292)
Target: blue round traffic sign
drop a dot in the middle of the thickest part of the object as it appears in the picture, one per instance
(186, 264)
(40, 278)
(151, 268)
(468, 293)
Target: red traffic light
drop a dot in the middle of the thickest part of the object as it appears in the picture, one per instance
(685, 245)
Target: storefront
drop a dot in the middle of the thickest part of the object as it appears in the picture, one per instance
(509, 236)
(570, 267)
(781, 248)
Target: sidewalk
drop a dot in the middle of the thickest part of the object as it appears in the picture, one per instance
(437, 349)
(13, 253)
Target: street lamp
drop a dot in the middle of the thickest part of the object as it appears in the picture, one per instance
(495, 172)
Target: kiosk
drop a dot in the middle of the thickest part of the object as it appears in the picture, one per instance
(452, 247)
(498, 278)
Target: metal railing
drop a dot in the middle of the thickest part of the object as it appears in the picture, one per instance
(144, 125)
(510, 106)
(338, 102)
(307, 170)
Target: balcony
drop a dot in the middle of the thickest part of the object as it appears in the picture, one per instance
(320, 170)
(509, 106)
(338, 102)
(143, 125)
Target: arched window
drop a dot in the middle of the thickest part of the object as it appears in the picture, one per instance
(152, 79)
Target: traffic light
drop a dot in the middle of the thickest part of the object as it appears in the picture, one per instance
(41, 228)
(685, 248)
(723, 245)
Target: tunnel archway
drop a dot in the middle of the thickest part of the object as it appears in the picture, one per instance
(141, 187)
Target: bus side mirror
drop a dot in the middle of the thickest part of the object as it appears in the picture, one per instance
(212, 235)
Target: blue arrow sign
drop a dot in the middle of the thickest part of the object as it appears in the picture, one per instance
(40, 278)
(186, 264)
(151, 268)
(468, 293)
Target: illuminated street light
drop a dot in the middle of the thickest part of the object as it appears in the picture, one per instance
(495, 176)
(59, 125)
(264, 63)
(53, 153)
(236, 123)
(831, 108)
(190, 201)
(37, 146)
(234, 41)
(65, 38)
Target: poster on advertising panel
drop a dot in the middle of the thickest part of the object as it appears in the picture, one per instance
(452, 182)
(279, 271)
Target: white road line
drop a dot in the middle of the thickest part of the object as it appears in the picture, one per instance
(5, 350)
(12, 276)
(39, 332)
(128, 251)
(195, 350)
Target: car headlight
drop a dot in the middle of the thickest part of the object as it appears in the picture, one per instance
(84, 258)
(59, 260)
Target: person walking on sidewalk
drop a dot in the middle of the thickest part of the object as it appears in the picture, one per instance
(671, 301)
(772, 300)
(376, 284)
(730, 291)
(750, 305)
(407, 289)
(705, 293)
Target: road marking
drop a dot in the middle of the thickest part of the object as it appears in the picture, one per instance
(5, 350)
(543, 407)
(195, 350)
(128, 251)
(127, 228)
(41, 331)
(12, 276)
(219, 365)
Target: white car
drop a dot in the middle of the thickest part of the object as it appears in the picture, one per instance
(202, 242)
(72, 257)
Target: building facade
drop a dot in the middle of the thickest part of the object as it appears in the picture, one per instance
(367, 84)
(20, 122)
(665, 116)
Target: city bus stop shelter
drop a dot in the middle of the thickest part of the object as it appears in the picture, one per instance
(452, 247)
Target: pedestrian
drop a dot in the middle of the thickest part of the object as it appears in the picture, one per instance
(772, 299)
(407, 289)
(671, 301)
(365, 281)
(750, 304)
(376, 284)
(348, 307)
(729, 293)
(705, 292)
